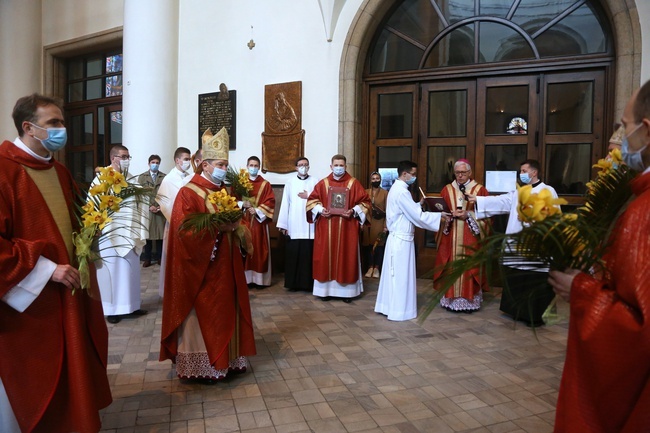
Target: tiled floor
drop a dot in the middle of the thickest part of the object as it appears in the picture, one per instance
(335, 367)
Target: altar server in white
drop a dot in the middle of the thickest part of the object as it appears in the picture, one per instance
(292, 223)
(397, 295)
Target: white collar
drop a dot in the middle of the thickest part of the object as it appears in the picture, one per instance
(19, 144)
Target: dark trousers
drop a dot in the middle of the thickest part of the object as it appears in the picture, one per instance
(526, 295)
(147, 250)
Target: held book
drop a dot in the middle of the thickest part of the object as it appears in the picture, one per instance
(436, 204)
(338, 200)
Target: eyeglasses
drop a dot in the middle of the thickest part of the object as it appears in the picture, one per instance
(302, 165)
(461, 173)
(124, 157)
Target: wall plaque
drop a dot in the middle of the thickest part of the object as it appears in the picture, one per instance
(218, 110)
(283, 139)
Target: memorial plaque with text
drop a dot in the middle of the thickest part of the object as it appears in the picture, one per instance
(216, 112)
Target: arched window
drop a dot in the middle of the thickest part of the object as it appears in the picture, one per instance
(425, 34)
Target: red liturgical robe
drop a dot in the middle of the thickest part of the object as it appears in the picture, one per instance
(606, 380)
(215, 289)
(453, 244)
(54, 354)
(336, 242)
(264, 200)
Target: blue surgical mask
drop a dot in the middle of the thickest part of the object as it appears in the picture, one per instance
(411, 180)
(338, 171)
(218, 175)
(56, 138)
(253, 171)
(525, 178)
(154, 167)
(633, 159)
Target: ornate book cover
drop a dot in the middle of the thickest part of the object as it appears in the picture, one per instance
(436, 204)
(338, 200)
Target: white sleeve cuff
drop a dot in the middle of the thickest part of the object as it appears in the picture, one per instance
(24, 293)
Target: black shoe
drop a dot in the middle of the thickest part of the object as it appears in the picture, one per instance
(347, 300)
(138, 312)
(113, 319)
(326, 299)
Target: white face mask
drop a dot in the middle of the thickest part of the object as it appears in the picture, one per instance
(185, 165)
(302, 170)
(633, 159)
(124, 165)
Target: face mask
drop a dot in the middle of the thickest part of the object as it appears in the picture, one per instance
(411, 180)
(253, 171)
(375, 184)
(338, 171)
(124, 165)
(154, 167)
(218, 175)
(185, 165)
(632, 159)
(302, 171)
(525, 179)
(56, 138)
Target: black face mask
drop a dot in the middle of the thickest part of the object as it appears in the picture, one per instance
(375, 184)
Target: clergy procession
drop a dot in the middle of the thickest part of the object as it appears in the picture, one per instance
(209, 229)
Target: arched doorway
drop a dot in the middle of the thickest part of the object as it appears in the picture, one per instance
(491, 81)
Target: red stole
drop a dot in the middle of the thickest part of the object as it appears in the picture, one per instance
(216, 289)
(336, 242)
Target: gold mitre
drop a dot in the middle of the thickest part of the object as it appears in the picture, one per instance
(215, 146)
(617, 137)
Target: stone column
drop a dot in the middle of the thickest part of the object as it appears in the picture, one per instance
(21, 54)
(150, 79)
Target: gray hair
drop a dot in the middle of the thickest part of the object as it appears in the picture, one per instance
(469, 167)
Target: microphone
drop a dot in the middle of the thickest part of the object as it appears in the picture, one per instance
(461, 187)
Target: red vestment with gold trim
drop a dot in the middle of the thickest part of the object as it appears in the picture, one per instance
(453, 244)
(264, 201)
(54, 354)
(336, 239)
(215, 289)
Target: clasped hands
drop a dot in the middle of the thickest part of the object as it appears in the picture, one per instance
(248, 207)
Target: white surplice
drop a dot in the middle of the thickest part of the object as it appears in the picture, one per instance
(118, 273)
(397, 295)
(292, 208)
(491, 205)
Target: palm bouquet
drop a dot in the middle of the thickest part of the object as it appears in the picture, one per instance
(549, 238)
(240, 184)
(224, 216)
(109, 194)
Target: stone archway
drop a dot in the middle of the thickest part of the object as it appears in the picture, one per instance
(627, 39)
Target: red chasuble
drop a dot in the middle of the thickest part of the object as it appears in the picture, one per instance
(264, 200)
(54, 354)
(452, 245)
(336, 239)
(216, 289)
(606, 380)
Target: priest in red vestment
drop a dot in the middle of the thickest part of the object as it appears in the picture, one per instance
(54, 344)
(207, 329)
(338, 206)
(259, 208)
(606, 380)
(454, 238)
